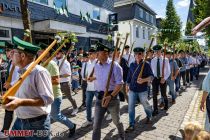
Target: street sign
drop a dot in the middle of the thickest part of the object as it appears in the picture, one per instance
(192, 37)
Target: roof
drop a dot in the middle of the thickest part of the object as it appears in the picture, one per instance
(139, 2)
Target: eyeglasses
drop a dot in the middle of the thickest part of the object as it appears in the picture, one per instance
(138, 53)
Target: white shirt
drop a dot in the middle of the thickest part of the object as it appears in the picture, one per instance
(89, 68)
(37, 85)
(132, 58)
(65, 69)
(167, 69)
(191, 61)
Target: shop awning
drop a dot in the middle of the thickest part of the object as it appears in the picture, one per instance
(53, 26)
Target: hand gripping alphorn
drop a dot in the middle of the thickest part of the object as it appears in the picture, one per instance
(111, 68)
(15, 87)
(126, 38)
(131, 51)
(145, 59)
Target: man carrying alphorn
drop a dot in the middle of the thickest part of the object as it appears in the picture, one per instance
(34, 97)
(101, 71)
(138, 87)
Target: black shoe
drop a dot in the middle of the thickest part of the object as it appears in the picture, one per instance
(148, 121)
(72, 131)
(155, 112)
(129, 129)
(82, 106)
(165, 107)
(161, 105)
(173, 101)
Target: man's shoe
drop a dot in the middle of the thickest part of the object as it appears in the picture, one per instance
(74, 112)
(83, 106)
(129, 129)
(155, 112)
(173, 101)
(165, 107)
(72, 131)
(108, 117)
(87, 123)
(148, 121)
(161, 105)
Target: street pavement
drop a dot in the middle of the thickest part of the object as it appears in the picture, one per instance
(166, 125)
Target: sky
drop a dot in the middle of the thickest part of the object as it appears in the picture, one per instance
(159, 6)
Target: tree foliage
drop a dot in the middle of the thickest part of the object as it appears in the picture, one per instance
(171, 25)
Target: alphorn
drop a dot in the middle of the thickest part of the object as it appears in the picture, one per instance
(111, 69)
(131, 51)
(145, 59)
(53, 55)
(15, 87)
(67, 53)
(126, 38)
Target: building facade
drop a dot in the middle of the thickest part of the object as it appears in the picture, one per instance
(138, 19)
(87, 18)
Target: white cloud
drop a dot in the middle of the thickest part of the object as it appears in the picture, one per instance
(183, 3)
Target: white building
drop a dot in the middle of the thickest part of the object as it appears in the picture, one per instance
(138, 19)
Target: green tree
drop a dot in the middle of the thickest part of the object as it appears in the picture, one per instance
(201, 11)
(189, 27)
(171, 25)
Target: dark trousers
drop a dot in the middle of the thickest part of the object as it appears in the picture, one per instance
(188, 75)
(191, 73)
(183, 77)
(8, 117)
(177, 83)
(84, 87)
(155, 89)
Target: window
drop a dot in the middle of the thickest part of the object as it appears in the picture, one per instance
(137, 32)
(147, 16)
(43, 1)
(151, 19)
(96, 13)
(143, 32)
(4, 33)
(140, 13)
(148, 34)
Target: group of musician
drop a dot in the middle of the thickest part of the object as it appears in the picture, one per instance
(135, 76)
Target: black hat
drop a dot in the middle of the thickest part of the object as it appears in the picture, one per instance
(169, 52)
(138, 49)
(181, 51)
(157, 47)
(92, 49)
(44, 46)
(127, 46)
(102, 47)
(85, 54)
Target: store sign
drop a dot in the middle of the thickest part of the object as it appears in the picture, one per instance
(9, 7)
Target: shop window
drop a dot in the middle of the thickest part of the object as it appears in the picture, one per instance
(41, 1)
(96, 13)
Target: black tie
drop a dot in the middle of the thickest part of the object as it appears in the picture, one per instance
(84, 75)
(158, 68)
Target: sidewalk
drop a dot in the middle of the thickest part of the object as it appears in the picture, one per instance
(165, 126)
